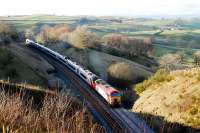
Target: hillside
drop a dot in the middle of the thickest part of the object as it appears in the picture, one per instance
(13, 68)
(176, 100)
(99, 62)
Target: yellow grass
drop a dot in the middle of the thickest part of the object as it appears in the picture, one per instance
(176, 100)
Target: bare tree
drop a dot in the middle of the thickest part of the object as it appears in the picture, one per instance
(129, 45)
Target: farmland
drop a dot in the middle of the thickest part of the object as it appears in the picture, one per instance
(98, 43)
(178, 33)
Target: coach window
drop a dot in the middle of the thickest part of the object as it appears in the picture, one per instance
(83, 76)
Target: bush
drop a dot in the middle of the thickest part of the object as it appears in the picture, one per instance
(121, 74)
(139, 88)
(171, 61)
(8, 33)
(82, 38)
(161, 75)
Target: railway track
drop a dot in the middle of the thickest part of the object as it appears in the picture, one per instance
(117, 120)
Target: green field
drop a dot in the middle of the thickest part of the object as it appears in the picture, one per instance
(178, 34)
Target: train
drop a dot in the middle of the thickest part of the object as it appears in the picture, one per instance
(111, 95)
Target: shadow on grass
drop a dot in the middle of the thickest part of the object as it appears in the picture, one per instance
(159, 125)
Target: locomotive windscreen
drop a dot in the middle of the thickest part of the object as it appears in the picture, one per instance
(116, 94)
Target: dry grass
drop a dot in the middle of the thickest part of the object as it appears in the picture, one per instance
(194, 112)
(57, 114)
(198, 76)
(177, 100)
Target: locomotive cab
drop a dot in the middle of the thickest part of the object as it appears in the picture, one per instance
(115, 98)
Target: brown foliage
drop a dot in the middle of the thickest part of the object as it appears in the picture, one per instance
(129, 45)
(53, 34)
(82, 38)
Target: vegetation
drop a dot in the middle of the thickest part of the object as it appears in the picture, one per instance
(174, 103)
(82, 38)
(132, 46)
(8, 32)
(121, 73)
(160, 76)
(122, 36)
(197, 58)
(57, 114)
(198, 76)
(194, 111)
(171, 61)
(13, 68)
(53, 34)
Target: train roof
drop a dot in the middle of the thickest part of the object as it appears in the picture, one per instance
(112, 90)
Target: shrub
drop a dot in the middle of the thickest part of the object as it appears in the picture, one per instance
(53, 34)
(8, 32)
(121, 74)
(161, 75)
(139, 88)
(171, 61)
(82, 38)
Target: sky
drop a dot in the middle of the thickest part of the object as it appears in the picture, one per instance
(101, 7)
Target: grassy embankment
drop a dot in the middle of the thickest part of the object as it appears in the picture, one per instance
(174, 97)
(14, 69)
(27, 109)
